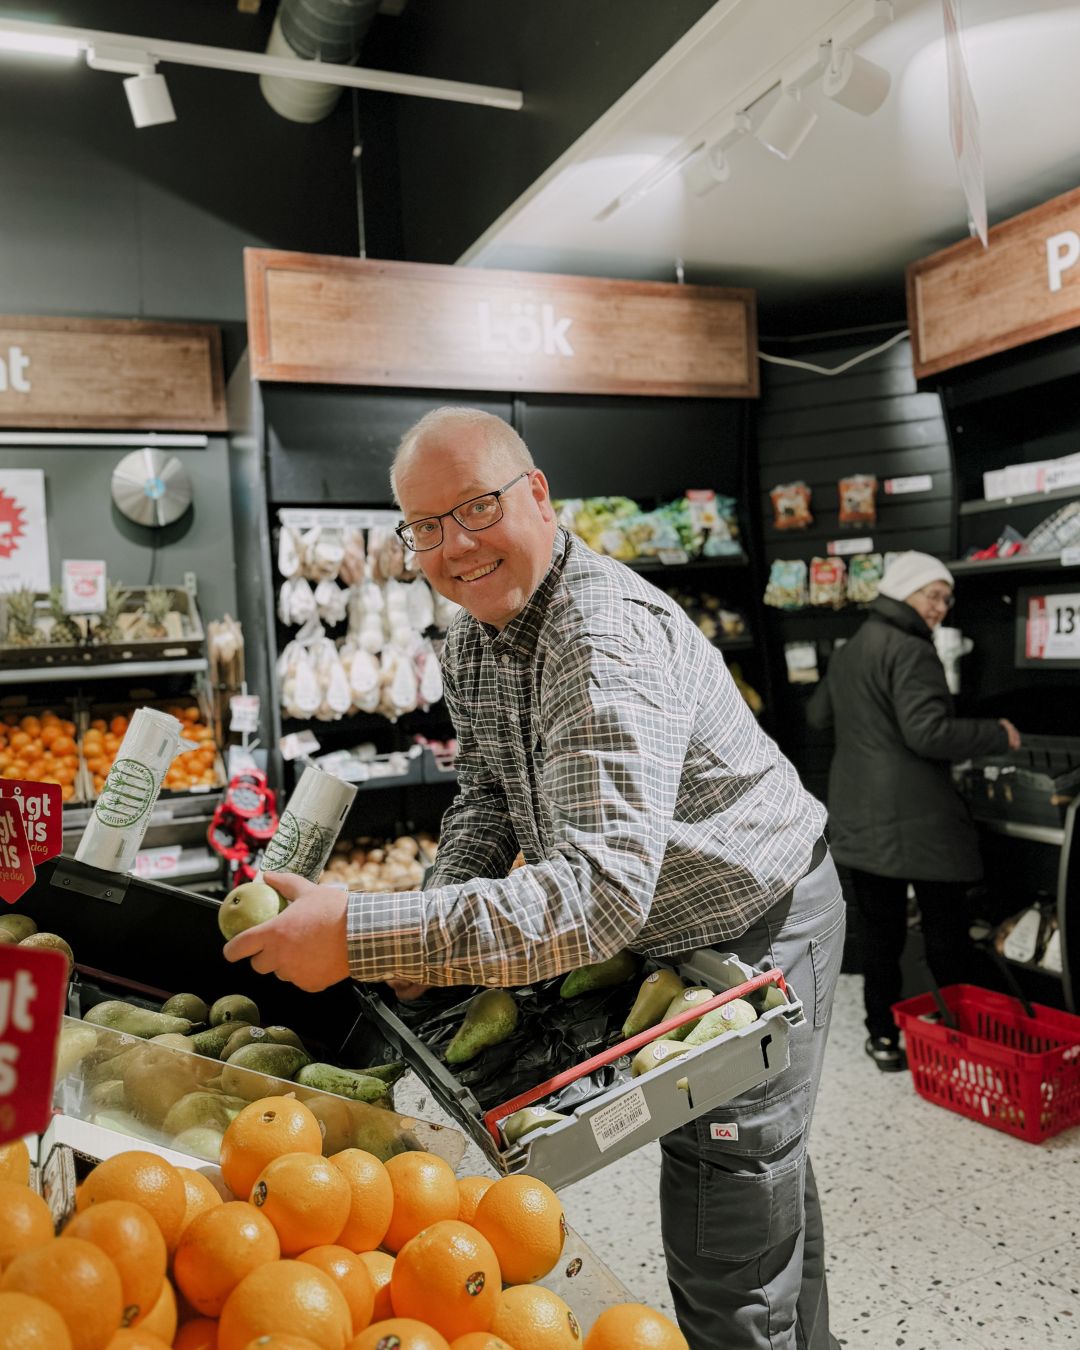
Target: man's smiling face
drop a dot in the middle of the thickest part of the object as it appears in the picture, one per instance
(491, 572)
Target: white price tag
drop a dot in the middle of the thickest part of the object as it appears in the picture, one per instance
(1053, 627)
(916, 482)
(244, 712)
(157, 863)
(673, 557)
(298, 743)
(84, 586)
(1070, 557)
(614, 1122)
(841, 547)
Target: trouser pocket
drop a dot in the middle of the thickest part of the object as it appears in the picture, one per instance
(751, 1174)
(741, 1215)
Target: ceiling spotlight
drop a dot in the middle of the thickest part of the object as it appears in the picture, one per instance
(149, 101)
(786, 125)
(855, 82)
(147, 93)
(712, 167)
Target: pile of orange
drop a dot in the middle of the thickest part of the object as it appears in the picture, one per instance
(339, 1253)
(41, 749)
(191, 768)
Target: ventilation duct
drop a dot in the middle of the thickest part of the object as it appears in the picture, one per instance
(314, 30)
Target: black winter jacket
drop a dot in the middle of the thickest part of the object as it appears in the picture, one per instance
(893, 809)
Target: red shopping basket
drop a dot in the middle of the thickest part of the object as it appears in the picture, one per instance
(1015, 1073)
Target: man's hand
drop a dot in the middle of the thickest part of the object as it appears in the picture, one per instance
(1011, 732)
(306, 944)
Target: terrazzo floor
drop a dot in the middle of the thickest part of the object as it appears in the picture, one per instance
(941, 1234)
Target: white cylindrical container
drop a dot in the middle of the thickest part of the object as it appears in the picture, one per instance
(122, 811)
(309, 825)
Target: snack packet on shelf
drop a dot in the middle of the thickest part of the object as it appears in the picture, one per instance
(791, 506)
(787, 587)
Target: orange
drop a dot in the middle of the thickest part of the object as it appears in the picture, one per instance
(286, 1297)
(201, 1334)
(218, 1249)
(25, 1221)
(633, 1326)
(28, 1323)
(372, 1201)
(400, 1333)
(161, 1319)
(480, 1340)
(272, 1342)
(351, 1276)
(133, 1243)
(531, 1318)
(523, 1220)
(201, 1195)
(470, 1190)
(261, 1132)
(425, 1191)
(147, 1180)
(380, 1266)
(447, 1275)
(15, 1163)
(305, 1197)
(79, 1281)
(134, 1338)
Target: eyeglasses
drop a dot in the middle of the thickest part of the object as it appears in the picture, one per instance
(944, 598)
(478, 513)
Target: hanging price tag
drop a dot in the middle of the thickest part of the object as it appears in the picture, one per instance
(16, 863)
(244, 712)
(1053, 627)
(33, 986)
(42, 812)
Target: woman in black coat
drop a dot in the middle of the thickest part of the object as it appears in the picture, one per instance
(894, 816)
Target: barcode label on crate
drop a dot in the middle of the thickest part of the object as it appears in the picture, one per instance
(619, 1119)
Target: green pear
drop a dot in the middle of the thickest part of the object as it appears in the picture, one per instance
(247, 905)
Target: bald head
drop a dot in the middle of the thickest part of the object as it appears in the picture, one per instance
(499, 451)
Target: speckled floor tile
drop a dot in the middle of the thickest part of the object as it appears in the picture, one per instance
(861, 1290)
(916, 1329)
(856, 1206)
(929, 1251)
(1014, 1310)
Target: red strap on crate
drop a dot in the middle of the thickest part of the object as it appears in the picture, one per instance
(628, 1047)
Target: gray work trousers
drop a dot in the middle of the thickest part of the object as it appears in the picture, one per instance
(739, 1212)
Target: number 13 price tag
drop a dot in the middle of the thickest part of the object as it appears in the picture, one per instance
(1053, 627)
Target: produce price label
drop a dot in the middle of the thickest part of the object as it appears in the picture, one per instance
(916, 482)
(16, 861)
(157, 862)
(33, 986)
(1053, 627)
(84, 586)
(841, 547)
(614, 1122)
(244, 712)
(42, 812)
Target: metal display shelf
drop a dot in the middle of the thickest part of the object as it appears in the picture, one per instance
(189, 665)
(1024, 562)
(1016, 829)
(981, 504)
(656, 565)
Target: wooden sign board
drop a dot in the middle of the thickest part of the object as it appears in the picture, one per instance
(111, 374)
(968, 302)
(332, 320)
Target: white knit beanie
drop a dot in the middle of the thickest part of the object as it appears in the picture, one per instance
(910, 572)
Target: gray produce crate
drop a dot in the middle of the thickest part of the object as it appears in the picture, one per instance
(631, 1112)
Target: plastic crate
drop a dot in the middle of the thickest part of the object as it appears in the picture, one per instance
(1012, 1072)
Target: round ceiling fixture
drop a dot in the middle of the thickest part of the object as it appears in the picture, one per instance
(151, 488)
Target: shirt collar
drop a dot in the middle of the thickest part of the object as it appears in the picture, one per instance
(522, 633)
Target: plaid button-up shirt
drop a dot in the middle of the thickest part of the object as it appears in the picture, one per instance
(602, 735)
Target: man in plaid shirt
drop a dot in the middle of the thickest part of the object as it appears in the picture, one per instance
(601, 735)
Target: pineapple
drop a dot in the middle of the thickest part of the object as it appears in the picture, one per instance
(154, 616)
(22, 627)
(64, 628)
(107, 624)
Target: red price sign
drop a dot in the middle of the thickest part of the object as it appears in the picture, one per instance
(16, 860)
(42, 812)
(33, 985)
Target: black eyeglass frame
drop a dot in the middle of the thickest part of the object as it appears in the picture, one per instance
(404, 525)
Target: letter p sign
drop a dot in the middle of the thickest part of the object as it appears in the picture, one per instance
(1062, 252)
